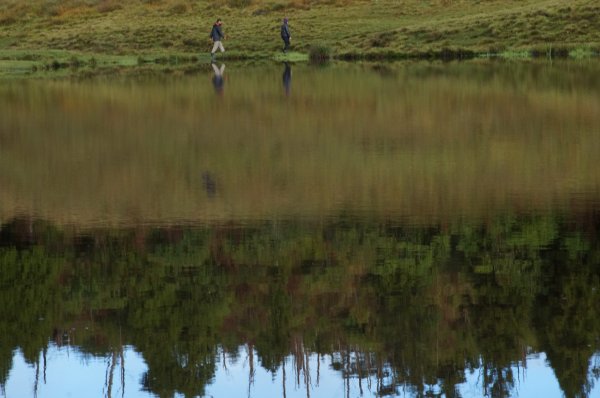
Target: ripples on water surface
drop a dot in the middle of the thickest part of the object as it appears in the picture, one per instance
(403, 230)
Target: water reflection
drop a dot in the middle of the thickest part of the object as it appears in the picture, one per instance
(218, 79)
(380, 307)
(287, 78)
(430, 232)
(210, 184)
(233, 378)
(426, 142)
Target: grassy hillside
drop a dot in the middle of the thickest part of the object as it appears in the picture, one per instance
(177, 30)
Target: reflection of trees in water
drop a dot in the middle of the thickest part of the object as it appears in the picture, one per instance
(115, 358)
(568, 319)
(391, 307)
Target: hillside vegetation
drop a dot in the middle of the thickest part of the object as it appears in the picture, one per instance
(76, 30)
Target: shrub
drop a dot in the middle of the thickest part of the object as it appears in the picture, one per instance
(108, 6)
(319, 53)
(74, 62)
(55, 65)
(383, 39)
(179, 8)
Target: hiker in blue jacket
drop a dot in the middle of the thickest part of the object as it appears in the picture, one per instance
(285, 35)
(216, 34)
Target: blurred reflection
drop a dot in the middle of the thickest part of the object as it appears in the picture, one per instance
(209, 184)
(287, 78)
(434, 142)
(396, 305)
(218, 80)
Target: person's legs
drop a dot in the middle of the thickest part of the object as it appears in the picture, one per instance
(217, 46)
(286, 44)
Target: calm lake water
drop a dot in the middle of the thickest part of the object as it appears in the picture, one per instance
(353, 230)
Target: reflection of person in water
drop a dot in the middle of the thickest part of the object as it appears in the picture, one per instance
(287, 78)
(218, 81)
(209, 184)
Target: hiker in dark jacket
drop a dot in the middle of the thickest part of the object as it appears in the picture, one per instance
(216, 34)
(285, 34)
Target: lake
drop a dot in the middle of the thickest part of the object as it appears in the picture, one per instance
(411, 229)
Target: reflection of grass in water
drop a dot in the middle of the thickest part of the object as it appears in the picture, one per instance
(463, 139)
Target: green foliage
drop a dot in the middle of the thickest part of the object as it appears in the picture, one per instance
(319, 53)
(290, 57)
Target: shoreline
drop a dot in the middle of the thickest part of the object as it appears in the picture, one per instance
(29, 62)
(44, 35)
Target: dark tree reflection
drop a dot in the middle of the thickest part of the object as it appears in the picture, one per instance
(391, 307)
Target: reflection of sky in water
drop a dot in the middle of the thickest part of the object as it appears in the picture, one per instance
(537, 380)
(70, 374)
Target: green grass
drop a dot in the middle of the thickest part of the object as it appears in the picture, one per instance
(114, 32)
(291, 57)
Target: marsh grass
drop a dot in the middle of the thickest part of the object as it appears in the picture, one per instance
(350, 29)
(319, 53)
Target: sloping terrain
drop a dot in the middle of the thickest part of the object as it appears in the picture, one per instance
(376, 28)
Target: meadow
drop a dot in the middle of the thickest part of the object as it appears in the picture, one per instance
(50, 34)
